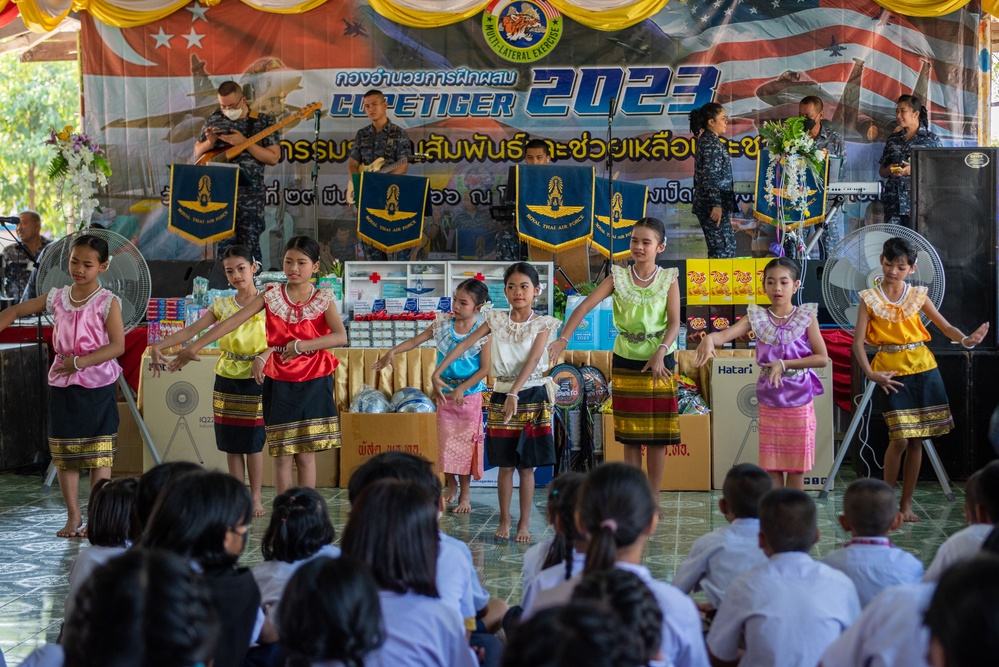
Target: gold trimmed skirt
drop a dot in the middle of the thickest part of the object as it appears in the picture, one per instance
(239, 415)
(645, 413)
(920, 409)
(83, 426)
(300, 417)
(528, 440)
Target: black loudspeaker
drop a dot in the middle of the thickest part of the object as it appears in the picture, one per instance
(170, 278)
(954, 206)
(811, 288)
(957, 449)
(982, 403)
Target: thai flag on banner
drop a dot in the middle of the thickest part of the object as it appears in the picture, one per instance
(857, 57)
(627, 205)
(554, 205)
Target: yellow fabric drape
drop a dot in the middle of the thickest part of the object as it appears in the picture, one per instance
(613, 19)
(417, 19)
(927, 8)
(300, 8)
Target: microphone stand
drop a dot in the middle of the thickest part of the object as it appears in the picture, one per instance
(609, 167)
(315, 178)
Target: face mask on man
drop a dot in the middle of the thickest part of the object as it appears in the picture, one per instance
(232, 114)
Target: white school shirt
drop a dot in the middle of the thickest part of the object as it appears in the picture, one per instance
(959, 547)
(272, 578)
(89, 559)
(873, 564)
(550, 577)
(889, 632)
(788, 611)
(457, 581)
(534, 558)
(422, 632)
(47, 655)
(717, 558)
(682, 637)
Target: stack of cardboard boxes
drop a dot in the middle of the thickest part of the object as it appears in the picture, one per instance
(718, 291)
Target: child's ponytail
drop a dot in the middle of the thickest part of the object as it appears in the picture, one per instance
(300, 526)
(562, 501)
(615, 507)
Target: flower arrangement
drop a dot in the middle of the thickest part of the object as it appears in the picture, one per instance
(80, 166)
(792, 151)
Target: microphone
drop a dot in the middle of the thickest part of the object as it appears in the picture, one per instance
(612, 108)
(319, 113)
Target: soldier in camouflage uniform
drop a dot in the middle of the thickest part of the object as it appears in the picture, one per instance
(381, 139)
(229, 125)
(831, 141)
(913, 130)
(713, 188)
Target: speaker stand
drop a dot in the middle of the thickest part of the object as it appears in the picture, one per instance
(931, 451)
(50, 474)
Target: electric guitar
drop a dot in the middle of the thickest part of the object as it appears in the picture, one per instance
(227, 154)
(379, 166)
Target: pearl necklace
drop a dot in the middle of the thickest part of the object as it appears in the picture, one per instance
(84, 299)
(639, 279)
(781, 317)
(235, 300)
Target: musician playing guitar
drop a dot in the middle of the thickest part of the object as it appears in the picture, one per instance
(230, 125)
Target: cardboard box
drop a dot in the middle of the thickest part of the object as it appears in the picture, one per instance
(735, 418)
(720, 318)
(761, 294)
(697, 282)
(698, 323)
(688, 465)
(128, 459)
(366, 435)
(720, 282)
(739, 312)
(743, 281)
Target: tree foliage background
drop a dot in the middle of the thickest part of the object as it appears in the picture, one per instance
(36, 97)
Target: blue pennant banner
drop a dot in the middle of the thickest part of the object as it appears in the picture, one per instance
(767, 198)
(627, 206)
(390, 210)
(555, 205)
(203, 201)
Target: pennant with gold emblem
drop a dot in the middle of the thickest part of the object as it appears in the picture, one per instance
(627, 206)
(390, 210)
(769, 196)
(203, 201)
(554, 205)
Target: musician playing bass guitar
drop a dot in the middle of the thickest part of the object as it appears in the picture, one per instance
(230, 125)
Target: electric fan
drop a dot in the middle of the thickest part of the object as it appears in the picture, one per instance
(182, 399)
(127, 276)
(748, 405)
(855, 265)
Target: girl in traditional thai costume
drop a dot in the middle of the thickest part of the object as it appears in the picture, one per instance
(788, 345)
(458, 390)
(647, 317)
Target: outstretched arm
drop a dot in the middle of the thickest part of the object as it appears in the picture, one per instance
(337, 337)
(706, 348)
(23, 309)
(603, 290)
(460, 348)
(485, 361)
(405, 346)
(537, 351)
(952, 332)
(156, 358)
(226, 326)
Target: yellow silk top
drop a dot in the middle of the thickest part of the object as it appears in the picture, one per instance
(898, 324)
(641, 310)
(247, 340)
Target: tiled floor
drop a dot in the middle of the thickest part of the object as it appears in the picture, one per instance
(34, 563)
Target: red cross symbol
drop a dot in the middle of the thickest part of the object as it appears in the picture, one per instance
(374, 277)
(479, 276)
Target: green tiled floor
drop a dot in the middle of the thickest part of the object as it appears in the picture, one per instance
(34, 564)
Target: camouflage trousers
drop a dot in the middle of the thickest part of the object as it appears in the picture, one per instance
(720, 239)
(249, 226)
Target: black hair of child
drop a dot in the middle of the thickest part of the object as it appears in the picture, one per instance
(153, 481)
(524, 269)
(577, 634)
(474, 288)
(897, 248)
(744, 486)
(792, 266)
(963, 615)
(655, 224)
(238, 251)
(95, 243)
(142, 608)
(562, 500)
(700, 116)
(635, 606)
(870, 506)
(987, 490)
(306, 245)
(330, 611)
(393, 528)
(400, 466)
(787, 520)
(112, 517)
(615, 507)
(300, 526)
(194, 514)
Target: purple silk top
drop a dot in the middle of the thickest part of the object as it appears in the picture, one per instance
(785, 341)
(79, 330)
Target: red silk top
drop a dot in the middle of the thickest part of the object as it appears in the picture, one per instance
(287, 322)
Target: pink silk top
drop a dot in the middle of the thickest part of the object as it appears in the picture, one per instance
(78, 331)
(287, 322)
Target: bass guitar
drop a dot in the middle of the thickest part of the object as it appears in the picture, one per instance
(228, 154)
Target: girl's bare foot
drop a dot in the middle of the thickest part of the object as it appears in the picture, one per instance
(450, 489)
(464, 504)
(523, 532)
(258, 508)
(72, 527)
(908, 515)
(503, 532)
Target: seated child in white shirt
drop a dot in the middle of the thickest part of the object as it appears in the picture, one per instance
(720, 556)
(963, 617)
(870, 512)
(981, 511)
(790, 609)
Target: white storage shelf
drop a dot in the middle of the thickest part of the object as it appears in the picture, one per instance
(428, 279)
